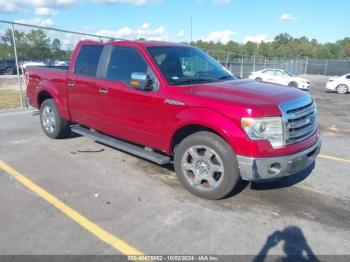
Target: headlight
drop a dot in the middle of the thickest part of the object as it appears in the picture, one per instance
(267, 128)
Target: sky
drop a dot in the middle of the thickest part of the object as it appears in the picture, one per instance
(169, 20)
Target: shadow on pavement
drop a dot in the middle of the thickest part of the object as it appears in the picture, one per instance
(294, 246)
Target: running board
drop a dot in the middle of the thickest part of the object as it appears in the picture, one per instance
(121, 145)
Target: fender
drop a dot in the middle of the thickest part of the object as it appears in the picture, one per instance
(225, 127)
(60, 97)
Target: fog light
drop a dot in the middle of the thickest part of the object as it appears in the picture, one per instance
(274, 169)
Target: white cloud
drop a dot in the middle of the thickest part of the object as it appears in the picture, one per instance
(45, 11)
(10, 7)
(145, 26)
(144, 31)
(256, 39)
(47, 3)
(134, 2)
(287, 17)
(17, 6)
(36, 21)
(219, 36)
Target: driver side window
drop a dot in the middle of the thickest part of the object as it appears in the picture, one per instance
(279, 73)
(123, 62)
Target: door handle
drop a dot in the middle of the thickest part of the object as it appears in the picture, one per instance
(71, 84)
(103, 91)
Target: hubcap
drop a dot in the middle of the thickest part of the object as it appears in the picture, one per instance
(342, 89)
(48, 119)
(202, 167)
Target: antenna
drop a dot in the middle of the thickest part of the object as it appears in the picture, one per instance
(191, 28)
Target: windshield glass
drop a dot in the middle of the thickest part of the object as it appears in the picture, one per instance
(188, 65)
(288, 73)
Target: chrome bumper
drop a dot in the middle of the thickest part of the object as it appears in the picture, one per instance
(276, 167)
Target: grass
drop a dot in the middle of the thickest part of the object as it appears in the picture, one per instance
(9, 98)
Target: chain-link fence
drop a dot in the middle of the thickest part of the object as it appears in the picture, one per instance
(243, 65)
(24, 45)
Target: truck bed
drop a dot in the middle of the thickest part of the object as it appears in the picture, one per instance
(49, 76)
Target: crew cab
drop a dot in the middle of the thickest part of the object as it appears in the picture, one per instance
(173, 103)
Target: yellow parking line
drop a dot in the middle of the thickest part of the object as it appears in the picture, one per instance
(335, 158)
(99, 232)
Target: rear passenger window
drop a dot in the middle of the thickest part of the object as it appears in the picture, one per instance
(269, 72)
(123, 62)
(87, 60)
(348, 77)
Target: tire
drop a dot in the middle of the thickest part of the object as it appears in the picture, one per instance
(293, 84)
(52, 124)
(342, 89)
(211, 177)
(258, 79)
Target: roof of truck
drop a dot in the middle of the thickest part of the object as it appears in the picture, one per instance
(136, 43)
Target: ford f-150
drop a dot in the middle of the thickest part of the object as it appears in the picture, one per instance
(169, 102)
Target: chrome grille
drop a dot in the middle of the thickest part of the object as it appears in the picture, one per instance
(300, 119)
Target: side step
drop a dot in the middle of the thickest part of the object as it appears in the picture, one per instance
(121, 145)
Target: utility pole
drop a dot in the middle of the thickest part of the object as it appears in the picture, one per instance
(17, 65)
(306, 64)
(325, 70)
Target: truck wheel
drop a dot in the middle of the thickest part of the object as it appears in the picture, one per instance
(206, 165)
(51, 122)
(258, 79)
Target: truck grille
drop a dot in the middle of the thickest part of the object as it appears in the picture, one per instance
(300, 122)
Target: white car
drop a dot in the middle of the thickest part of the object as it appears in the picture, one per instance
(340, 84)
(25, 64)
(279, 76)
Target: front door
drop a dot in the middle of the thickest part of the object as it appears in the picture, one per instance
(127, 113)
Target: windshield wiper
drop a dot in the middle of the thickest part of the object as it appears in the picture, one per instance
(194, 80)
(226, 77)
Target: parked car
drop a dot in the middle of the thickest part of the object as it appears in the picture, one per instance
(216, 129)
(340, 84)
(279, 76)
(56, 63)
(26, 64)
(8, 67)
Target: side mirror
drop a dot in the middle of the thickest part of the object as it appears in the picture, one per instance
(141, 81)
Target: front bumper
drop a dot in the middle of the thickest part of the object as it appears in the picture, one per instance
(276, 167)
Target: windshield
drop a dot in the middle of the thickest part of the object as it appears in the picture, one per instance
(188, 65)
(288, 73)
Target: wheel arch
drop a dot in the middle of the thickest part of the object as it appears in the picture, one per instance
(47, 90)
(343, 84)
(188, 130)
(42, 96)
(293, 83)
(214, 122)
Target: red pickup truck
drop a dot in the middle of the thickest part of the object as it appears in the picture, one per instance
(171, 102)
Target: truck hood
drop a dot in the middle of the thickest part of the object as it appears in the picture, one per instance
(249, 93)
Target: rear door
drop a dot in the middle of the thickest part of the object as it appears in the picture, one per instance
(269, 76)
(83, 92)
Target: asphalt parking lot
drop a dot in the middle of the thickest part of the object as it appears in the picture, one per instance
(114, 203)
